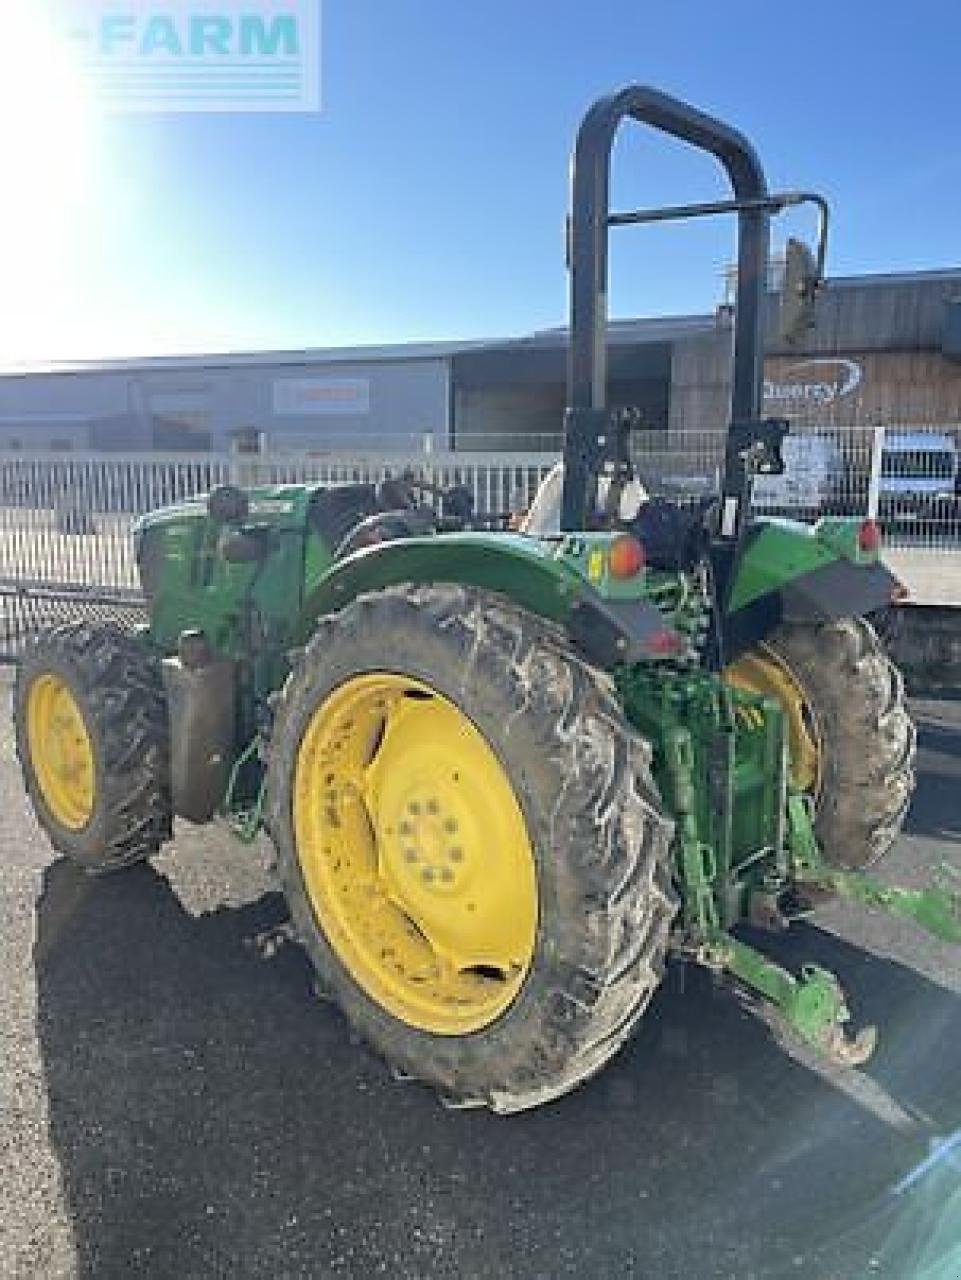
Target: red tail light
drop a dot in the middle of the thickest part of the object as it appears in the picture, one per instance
(625, 557)
(664, 644)
(869, 536)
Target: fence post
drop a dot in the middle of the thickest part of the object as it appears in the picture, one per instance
(874, 479)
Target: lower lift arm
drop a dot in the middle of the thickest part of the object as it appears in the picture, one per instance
(812, 1005)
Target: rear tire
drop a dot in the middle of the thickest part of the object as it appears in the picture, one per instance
(109, 687)
(867, 737)
(597, 833)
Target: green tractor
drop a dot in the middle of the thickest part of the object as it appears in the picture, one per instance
(508, 775)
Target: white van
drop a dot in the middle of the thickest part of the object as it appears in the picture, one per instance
(920, 481)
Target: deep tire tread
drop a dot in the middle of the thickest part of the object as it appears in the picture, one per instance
(118, 684)
(586, 773)
(869, 737)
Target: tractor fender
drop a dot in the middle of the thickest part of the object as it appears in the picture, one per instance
(796, 573)
(839, 590)
(525, 570)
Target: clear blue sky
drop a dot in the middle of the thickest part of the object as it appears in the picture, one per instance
(427, 197)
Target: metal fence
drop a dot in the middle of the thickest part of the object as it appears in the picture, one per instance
(65, 520)
(907, 478)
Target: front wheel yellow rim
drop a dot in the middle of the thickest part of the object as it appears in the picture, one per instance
(415, 854)
(764, 672)
(61, 753)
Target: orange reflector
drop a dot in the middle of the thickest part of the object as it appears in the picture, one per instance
(625, 557)
(869, 536)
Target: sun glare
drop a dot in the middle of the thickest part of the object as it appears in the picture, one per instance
(49, 150)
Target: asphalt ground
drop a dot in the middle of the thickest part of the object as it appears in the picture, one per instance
(175, 1102)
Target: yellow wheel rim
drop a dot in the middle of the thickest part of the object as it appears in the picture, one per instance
(764, 672)
(61, 754)
(415, 854)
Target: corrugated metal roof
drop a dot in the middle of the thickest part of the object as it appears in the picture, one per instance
(905, 309)
(652, 329)
(933, 276)
(897, 312)
(399, 351)
(643, 329)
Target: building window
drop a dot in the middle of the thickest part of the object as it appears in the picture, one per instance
(181, 431)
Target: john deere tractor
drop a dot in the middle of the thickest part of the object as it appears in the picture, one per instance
(508, 775)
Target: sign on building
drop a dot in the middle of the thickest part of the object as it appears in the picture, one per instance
(809, 383)
(309, 397)
(864, 390)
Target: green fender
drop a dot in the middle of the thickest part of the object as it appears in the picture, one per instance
(543, 577)
(787, 571)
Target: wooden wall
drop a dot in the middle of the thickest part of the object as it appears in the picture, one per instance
(845, 385)
(892, 388)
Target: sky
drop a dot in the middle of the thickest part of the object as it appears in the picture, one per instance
(426, 198)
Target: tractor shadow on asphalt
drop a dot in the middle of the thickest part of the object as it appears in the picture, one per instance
(211, 1117)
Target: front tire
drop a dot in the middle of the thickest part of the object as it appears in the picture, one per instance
(434, 690)
(92, 738)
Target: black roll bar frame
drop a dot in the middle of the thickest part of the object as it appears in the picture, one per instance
(587, 430)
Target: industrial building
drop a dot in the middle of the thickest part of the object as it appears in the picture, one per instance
(886, 350)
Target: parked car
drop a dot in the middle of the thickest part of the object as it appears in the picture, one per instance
(920, 485)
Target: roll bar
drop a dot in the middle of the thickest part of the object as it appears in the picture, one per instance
(586, 432)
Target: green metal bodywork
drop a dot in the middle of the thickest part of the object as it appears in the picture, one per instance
(193, 586)
(781, 551)
(742, 840)
(719, 762)
(534, 574)
(190, 584)
(298, 581)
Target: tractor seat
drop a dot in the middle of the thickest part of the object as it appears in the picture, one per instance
(674, 535)
(335, 511)
(350, 516)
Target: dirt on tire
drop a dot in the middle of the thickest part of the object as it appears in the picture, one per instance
(867, 736)
(600, 837)
(117, 684)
